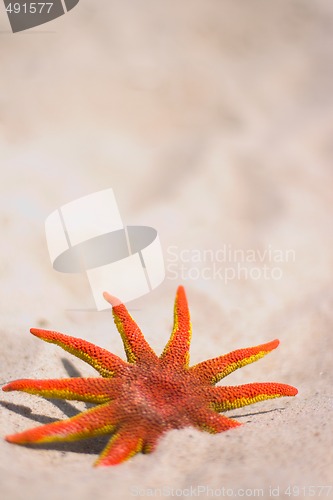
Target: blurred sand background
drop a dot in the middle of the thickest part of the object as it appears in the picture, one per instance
(213, 122)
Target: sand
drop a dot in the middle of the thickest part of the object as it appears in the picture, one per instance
(212, 122)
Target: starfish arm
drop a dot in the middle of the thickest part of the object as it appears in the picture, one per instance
(106, 363)
(213, 370)
(90, 390)
(224, 398)
(207, 419)
(151, 439)
(176, 352)
(124, 444)
(90, 423)
(136, 346)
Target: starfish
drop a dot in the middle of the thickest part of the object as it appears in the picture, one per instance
(139, 400)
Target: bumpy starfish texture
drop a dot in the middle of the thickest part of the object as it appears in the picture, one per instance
(139, 400)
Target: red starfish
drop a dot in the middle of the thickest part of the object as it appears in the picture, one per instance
(139, 400)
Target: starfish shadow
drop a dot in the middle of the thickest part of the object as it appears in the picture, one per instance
(25, 411)
(67, 408)
(70, 368)
(254, 413)
(91, 446)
